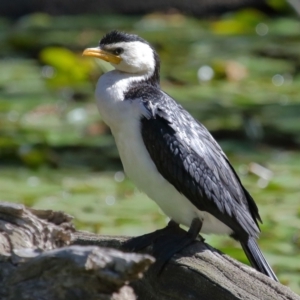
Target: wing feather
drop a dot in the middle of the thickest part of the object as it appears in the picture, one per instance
(186, 155)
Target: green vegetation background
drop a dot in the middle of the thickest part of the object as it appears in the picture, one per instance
(238, 74)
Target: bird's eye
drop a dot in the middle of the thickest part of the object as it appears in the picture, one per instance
(118, 51)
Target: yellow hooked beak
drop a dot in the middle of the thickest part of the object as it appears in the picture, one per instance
(99, 53)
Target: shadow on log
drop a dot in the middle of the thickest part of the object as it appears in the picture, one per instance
(42, 256)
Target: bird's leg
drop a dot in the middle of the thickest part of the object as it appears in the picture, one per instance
(165, 247)
(141, 242)
(195, 228)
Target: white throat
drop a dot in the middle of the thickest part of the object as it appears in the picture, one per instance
(110, 91)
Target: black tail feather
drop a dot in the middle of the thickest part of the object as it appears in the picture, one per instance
(257, 259)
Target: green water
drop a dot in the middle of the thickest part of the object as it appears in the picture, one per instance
(56, 153)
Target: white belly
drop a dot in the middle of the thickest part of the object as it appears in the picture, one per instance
(140, 168)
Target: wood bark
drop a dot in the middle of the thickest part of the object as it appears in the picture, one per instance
(42, 256)
(38, 262)
(198, 272)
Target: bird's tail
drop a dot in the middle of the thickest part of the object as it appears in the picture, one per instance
(257, 259)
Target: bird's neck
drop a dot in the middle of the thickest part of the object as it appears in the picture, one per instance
(154, 77)
(118, 83)
(111, 92)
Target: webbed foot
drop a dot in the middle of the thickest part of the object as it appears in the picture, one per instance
(166, 242)
(139, 243)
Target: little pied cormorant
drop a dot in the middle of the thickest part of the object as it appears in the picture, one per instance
(167, 153)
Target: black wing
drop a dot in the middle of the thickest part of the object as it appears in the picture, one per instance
(188, 157)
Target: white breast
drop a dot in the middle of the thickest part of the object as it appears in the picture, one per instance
(123, 117)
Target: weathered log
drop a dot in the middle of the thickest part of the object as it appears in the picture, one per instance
(36, 261)
(198, 272)
(42, 256)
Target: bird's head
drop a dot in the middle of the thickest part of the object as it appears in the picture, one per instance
(127, 53)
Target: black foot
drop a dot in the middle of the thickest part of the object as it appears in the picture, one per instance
(166, 246)
(166, 242)
(141, 242)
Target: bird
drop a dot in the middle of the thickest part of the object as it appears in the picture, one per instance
(168, 154)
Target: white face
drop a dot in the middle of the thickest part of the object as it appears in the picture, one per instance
(137, 57)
